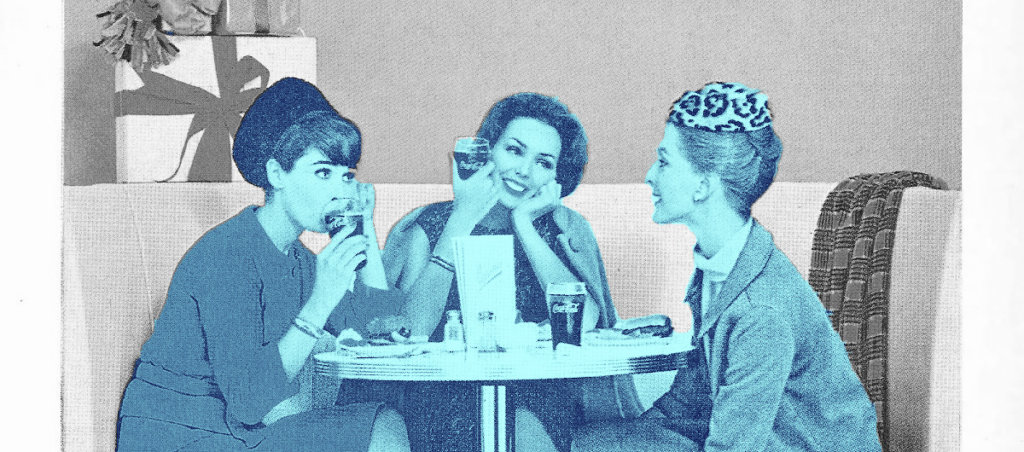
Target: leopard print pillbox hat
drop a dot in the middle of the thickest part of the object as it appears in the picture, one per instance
(722, 107)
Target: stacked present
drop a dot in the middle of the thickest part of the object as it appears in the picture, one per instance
(180, 92)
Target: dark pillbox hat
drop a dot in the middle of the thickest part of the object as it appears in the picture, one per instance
(277, 108)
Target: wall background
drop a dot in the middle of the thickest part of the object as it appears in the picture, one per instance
(855, 86)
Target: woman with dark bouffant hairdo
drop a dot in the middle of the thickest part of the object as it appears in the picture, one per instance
(538, 152)
(229, 363)
(767, 371)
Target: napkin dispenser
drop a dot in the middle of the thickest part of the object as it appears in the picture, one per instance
(485, 279)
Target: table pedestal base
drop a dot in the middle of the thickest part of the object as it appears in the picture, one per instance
(497, 421)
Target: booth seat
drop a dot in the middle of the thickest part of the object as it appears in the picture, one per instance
(122, 242)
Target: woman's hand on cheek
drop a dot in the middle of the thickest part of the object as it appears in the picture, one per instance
(369, 196)
(544, 200)
(475, 196)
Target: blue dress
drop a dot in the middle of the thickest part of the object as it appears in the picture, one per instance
(211, 369)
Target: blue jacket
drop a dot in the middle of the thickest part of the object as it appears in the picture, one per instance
(779, 375)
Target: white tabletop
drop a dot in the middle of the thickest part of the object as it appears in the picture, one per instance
(593, 359)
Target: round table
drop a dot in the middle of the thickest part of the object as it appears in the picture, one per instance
(493, 369)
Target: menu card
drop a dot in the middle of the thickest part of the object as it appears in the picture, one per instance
(485, 278)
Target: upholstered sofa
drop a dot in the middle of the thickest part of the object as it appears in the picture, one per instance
(122, 242)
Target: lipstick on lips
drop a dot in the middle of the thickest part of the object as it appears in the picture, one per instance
(514, 186)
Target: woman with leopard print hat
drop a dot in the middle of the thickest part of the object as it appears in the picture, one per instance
(767, 371)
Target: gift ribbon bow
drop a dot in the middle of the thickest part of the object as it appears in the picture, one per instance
(217, 117)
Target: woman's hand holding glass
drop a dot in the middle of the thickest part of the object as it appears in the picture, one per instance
(473, 198)
(366, 195)
(335, 274)
(336, 265)
(372, 273)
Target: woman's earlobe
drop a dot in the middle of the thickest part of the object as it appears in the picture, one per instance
(703, 190)
(708, 185)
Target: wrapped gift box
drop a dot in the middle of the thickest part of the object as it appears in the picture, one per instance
(177, 122)
(246, 17)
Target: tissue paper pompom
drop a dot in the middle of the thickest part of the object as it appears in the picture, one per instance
(130, 34)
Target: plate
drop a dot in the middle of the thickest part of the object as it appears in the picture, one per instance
(615, 338)
(382, 351)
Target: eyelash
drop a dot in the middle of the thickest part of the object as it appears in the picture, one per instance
(662, 163)
(325, 173)
(516, 150)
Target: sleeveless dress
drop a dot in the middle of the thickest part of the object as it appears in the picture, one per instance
(443, 416)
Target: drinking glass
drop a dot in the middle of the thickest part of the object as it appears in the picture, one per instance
(471, 154)
(565, 311)
(342, 212)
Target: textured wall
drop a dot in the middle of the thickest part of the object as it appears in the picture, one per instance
(855, 86)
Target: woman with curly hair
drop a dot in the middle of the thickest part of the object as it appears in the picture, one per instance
(538, 152)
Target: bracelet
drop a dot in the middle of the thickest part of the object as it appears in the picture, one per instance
(442, 263)
(306, 327)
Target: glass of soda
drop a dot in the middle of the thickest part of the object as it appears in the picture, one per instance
(565, 310)
(471, 154)
(342, 212)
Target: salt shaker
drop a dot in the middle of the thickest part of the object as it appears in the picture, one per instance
(454, 339)
(488, 337)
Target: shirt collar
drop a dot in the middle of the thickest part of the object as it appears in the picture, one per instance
(260, 238)
(717, 267)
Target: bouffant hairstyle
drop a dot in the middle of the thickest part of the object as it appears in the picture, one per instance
(287, 119)
(549, 110)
